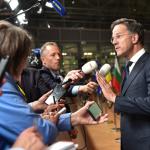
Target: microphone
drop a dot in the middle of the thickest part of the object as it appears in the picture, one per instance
(104, 69)
(86, 69)
(63, 145)
(89, 67)
(62, 111)
(59, 90)
(58, 7)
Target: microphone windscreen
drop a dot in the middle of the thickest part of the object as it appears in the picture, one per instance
(89, 67)
(104, 69)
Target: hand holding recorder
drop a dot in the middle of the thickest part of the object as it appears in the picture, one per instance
(82, 116)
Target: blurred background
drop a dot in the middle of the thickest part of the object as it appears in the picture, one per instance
(82, 31)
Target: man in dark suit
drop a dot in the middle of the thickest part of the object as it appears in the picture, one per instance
(134, 101)
(50, 75)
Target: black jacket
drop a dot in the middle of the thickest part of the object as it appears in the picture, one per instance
(47, 82)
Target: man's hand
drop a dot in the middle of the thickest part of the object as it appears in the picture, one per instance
(88, 88)
(51, 112)
(106, 88)
(83, 117)
(74, 75)
(40, 103)
(51, 116)
(54, 107)
(30, 139)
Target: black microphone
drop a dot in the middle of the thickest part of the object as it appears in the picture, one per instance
(67, 81)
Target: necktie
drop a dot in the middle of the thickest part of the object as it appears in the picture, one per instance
(59, 78)
(126, 71)
(127, 68)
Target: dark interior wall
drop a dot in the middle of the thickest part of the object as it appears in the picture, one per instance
(61, 35)
(70, 35)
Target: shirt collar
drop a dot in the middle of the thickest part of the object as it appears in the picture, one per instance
(136, 57)
(54, 73)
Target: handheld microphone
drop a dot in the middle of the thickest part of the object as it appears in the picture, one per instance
(89, 67)
(104, 69)
(58, 7)
(63, 110)
(86, 69)
(63, 145)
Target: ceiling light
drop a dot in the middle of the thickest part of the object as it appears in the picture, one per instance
(88, 54)
(48, 26)
(40, 10)
(64, 54)
(21, 17)
(13, 4)
(112, 53)
(73, 2)
(49, 4)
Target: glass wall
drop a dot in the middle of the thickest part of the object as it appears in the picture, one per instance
(77, 54)
(70, 56)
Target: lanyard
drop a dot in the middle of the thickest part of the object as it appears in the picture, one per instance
(21, 91)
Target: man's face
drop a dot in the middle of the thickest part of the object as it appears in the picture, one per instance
(52, 58)
(122, 40)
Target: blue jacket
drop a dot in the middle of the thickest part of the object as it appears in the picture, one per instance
(16, 115)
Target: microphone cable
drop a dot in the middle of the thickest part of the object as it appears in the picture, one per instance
(17, 14)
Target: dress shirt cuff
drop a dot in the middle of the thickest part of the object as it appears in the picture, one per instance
(75, 89)
(30, 104)
(64, 122)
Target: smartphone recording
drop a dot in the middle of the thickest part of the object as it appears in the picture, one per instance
(95, 111)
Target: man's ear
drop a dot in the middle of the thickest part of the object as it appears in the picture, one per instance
(135, 38)
(42, 59)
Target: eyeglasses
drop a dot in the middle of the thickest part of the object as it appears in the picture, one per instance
(117, 37)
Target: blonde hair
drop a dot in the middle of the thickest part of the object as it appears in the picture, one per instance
(44, 47)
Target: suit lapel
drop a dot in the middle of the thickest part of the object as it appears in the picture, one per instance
(137, 68)
(123, 80)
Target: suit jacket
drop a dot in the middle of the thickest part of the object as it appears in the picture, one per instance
(134, 106)
(47, 82)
